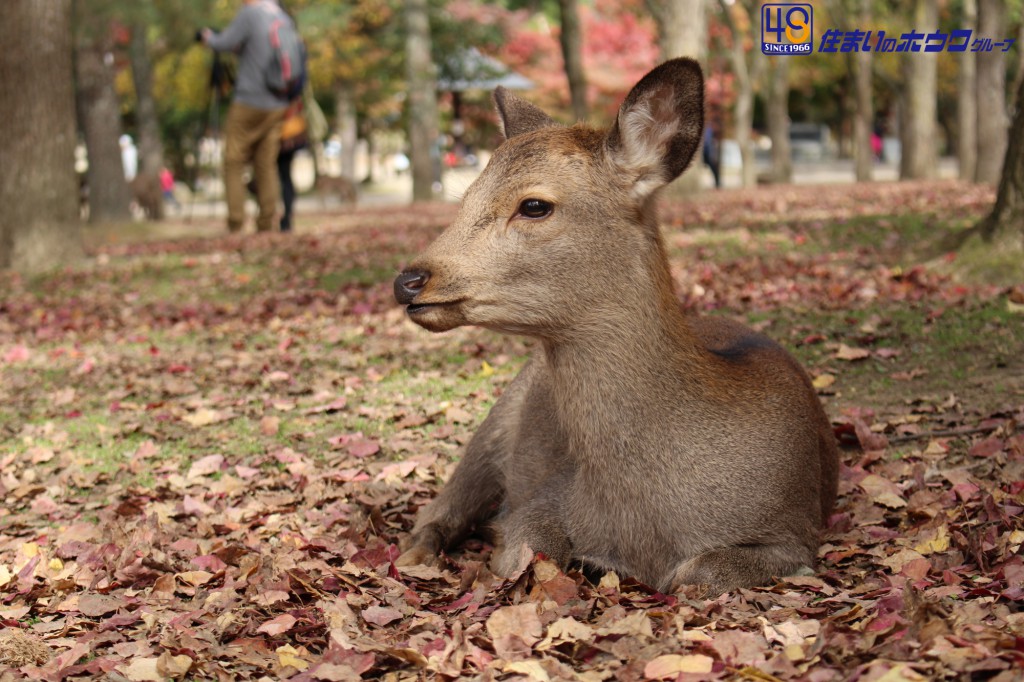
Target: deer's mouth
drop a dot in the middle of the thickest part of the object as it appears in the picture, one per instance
(437, 317)
(414, 309)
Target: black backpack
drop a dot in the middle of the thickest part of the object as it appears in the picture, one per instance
(286, 73)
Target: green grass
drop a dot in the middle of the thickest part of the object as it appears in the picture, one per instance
(974, 347)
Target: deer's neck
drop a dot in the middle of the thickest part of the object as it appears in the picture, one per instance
(615, 373)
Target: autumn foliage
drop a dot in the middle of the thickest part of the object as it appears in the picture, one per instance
(209, 448)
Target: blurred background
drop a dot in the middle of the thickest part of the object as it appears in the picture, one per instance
(403, 92)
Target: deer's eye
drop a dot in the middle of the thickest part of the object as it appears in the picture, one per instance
(535, 208)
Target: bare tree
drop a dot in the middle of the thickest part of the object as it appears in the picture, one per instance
(742, 18)
(151, 147)
(919, 127)
(1007, 216)
(99, 113)
(348, 127)
(777, 114)
(571, 38)
(991, 98)
(967, 103)
(39, 222)
(682, 28)
(864, 115)
(423, 119)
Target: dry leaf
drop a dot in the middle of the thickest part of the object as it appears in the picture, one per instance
(847, 353)
(278, 626)
(670, 665)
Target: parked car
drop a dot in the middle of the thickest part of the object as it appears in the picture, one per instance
(810, 141)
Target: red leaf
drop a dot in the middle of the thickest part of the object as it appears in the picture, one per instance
(987, 447)
(363, 447)
(381, 615)
(278, 626)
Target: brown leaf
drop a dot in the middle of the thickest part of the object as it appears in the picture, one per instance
(143, 670)
(671, 665)
(363, 447)
(172, 666)
(93, 605)
(206, 417)
(514, 630)
(851, 354)
(195, 578)
(882, 491)
(211, 464)
(381, 615)
(269, 426)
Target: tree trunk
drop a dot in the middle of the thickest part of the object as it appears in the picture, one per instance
(920, 157)
(683, 32)
(39, 221)
(682, 28)
(991, 89)
(151, 148)
(423, 120)
(100, 114)
(348, 128)
(864, 112)
(744, 119)
(778, 119)
(967, 103)
(571, 38)
(1007, 216)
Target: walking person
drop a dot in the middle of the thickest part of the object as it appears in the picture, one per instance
(253, 127)
(294, 136)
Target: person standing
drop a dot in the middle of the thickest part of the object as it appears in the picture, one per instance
(253, 128)
(294, 136)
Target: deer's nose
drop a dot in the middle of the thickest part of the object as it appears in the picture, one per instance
(410, 283)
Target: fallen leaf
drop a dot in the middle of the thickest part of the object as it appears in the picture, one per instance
(363, 447)
(143, 670)
(288, 656)
(671, 665)
(823, 381)
(278, 626)
(514, 630)
(882, 491)
(381, 615)
(850, 354)
(206, 417)
(173, 666)
(94, 605)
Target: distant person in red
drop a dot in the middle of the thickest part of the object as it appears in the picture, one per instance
(167, 187)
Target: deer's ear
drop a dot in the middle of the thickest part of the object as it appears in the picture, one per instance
(519, 116)
(659, 125)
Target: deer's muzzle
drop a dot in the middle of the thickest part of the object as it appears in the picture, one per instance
(409, 284)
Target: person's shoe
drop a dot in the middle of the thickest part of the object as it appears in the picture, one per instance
(234, 226)
(286, 225)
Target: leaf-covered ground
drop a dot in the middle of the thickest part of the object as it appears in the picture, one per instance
(210, 447)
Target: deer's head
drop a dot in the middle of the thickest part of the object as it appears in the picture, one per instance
(560, 224)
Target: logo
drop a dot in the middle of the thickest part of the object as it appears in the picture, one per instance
(787, 28)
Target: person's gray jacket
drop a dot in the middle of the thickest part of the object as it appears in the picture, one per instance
(249, 36)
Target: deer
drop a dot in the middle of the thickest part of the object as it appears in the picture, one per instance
(676, 448)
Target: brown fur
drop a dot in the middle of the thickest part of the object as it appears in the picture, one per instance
(147, 195)
(674, 448)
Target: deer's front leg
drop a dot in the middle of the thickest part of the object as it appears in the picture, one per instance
(468, 499)
(537, 526)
